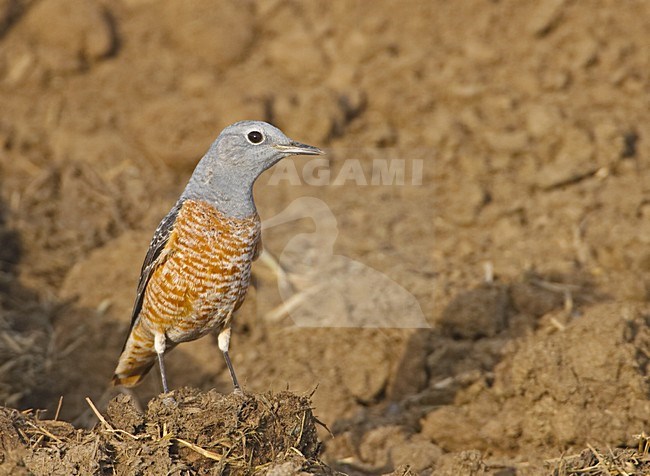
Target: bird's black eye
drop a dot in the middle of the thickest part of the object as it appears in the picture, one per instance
(255, 137)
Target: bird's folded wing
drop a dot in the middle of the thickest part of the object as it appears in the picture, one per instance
(155, 257)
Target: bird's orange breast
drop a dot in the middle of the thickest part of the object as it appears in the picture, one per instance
(204, 272)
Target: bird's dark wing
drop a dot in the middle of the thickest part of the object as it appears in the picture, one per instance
(153, 258)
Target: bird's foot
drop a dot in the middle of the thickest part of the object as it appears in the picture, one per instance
(168, 400)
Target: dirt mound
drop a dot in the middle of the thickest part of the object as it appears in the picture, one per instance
(606, 462)
(580, 381)
(187, 431)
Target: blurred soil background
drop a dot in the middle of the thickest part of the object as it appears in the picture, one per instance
(526, 245)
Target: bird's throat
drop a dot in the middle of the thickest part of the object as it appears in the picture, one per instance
(230, 193)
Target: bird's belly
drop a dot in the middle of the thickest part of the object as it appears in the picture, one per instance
(212, 304)
(205, 278)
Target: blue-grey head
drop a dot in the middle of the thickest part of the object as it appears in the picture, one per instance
(226, 173)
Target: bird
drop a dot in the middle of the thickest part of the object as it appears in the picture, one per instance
(198, 266)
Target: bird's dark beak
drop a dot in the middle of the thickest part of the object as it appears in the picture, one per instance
(296, 148)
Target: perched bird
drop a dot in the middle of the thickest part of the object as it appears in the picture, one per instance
(197, 269)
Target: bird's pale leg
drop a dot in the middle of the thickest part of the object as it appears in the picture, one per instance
(224, 344)
(159, 344)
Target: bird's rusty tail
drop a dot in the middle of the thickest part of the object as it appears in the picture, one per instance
(133, 376)
(137, 358)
